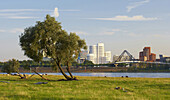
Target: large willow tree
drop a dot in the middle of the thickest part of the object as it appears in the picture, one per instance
(48, 39)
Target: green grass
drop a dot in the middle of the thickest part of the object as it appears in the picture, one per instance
(86, 88)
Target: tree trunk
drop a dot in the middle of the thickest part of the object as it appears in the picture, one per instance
(21, 76)
(40, 75)
(31, 76)
(68, 70)
(67, 77)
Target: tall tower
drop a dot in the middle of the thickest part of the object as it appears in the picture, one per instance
(108, 56)
(100, 53)
(90, 57)
(146, 55)
(147, 52)
(93, 50)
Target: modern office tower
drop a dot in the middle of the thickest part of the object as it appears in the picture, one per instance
(152, 57)
(103, 60)
(90, 57)
(108, 56)
(93, 50)
(98, 54)
(141, 57)
(146, 55)
(147, 52)
(164, 58)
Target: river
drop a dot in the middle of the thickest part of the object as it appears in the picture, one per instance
(144, 75)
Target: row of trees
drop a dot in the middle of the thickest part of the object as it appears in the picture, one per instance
(149, 67)
(32, 63)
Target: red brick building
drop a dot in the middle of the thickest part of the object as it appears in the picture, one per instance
(146, 55)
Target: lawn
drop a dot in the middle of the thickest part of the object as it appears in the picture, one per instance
(85, 88)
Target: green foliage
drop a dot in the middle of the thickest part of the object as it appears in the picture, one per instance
(122, 64)
(74, 63)
(87, 62)
(48, 39)
(26, 64)
(38, 41)
(70, 46)
(54, 66)
(11, 66)
(149, 67)
(1, 64)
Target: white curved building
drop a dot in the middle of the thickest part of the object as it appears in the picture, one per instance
(93, 50)
(98, 55)
(90, 57)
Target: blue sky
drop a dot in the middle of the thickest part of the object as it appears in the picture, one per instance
(120, 24)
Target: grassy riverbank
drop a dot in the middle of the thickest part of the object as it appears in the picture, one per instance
(85, 88)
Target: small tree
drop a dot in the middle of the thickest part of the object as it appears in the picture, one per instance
(11, 66)
(48, 39)
(87, 62)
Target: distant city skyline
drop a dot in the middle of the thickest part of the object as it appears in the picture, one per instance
(119, 24)
(98, 55)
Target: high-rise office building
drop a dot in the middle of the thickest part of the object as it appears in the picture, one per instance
(152, 57)
(147, 52)
(93, 50)
(108, 56)
(146, 55)
(90, 57)
(164, 58)
(98, 55)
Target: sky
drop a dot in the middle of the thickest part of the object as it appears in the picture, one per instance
(119, 24)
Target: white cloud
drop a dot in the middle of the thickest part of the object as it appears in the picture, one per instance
(126, 18)
(134, 35)
(80, 33)
(116, 30)
(56, 13)
(157, 35)
(7, 14)
(16, 13)
(71, 10)
(136, 4)
(161, 35)
(16, 30)
(149, 35)
(110, 32)
(36, 10)
(2, 30)
(22, 10)
(21, 17)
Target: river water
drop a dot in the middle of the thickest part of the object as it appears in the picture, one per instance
(144, 75)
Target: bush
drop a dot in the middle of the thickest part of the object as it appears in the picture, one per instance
(11, 66)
